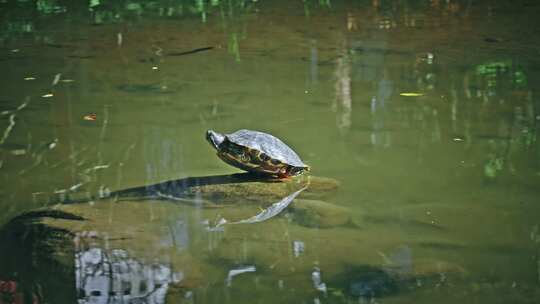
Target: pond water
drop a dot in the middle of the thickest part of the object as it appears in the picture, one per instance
(419, 119)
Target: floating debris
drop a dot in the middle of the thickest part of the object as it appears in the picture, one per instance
(119, 39)
(18, 152)
(75, 187)
(95, 168)
(90, 117)
(52, 144)
(190, 52)
(48, 95)
(29, 78)
(458, 139)
(67, 80)
(15, 50)
(56, 79)
(411, 94)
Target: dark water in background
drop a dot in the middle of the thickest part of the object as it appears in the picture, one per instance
(426, 112)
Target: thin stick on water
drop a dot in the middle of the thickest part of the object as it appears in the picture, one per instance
(9, 128)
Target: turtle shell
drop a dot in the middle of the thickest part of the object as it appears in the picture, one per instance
(258, 151)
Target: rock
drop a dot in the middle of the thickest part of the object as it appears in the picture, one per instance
(315, 213)
(263, 190)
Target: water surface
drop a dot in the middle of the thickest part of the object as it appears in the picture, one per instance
(425, 113)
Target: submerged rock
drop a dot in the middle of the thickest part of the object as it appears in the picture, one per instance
(366, 282)
(315, 213)
(261, 190)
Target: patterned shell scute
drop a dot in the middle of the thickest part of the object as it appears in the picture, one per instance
(267, 144)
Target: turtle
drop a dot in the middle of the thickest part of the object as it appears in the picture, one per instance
(256, 151)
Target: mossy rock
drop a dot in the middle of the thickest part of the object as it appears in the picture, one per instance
(264, 190)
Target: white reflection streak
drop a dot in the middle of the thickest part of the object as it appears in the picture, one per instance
(38, 157)
(343, 100)
(538, 262)
(159, 51)
(22, 105)
(105, 123)
(104, 191)
(127, 154)
(126, 157)
(317, 281)
(235, 272)
(314, 67)
(298, 248)
(8, 129)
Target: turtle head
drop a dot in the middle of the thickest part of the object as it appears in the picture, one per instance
(214, 138)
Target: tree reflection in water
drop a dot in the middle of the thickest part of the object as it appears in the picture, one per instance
(113, 276)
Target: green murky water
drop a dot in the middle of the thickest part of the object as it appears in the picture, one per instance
(419, 120)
